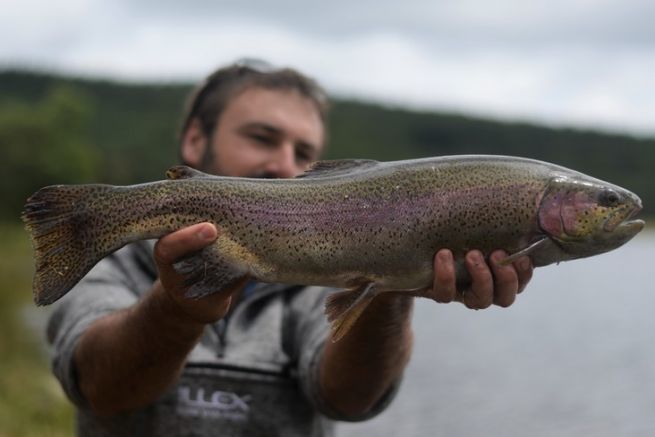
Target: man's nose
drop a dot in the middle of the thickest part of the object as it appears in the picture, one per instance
(283, 162)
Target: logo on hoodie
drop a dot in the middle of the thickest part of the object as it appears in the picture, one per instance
(216, 404)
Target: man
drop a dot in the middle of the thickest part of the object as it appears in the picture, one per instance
(138, 358)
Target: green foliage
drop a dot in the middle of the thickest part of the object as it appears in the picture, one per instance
(31, 401)
(132, 128)
(43, 144)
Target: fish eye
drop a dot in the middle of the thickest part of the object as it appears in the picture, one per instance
(609, 198)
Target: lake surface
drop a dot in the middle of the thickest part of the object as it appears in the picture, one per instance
(574, 356)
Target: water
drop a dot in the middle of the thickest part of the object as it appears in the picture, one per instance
(574, 355)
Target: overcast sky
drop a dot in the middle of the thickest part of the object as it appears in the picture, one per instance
(564, 62)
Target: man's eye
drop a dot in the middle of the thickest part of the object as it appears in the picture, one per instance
(302, 156)
(262, 139)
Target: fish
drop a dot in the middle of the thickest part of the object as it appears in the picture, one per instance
(363, 226)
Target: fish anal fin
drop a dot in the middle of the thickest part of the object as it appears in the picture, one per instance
(524, 252)
(343, 308)
(184, 172)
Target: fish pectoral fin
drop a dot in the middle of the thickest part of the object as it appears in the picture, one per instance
(343, 308)
(184, 172)
(206, 272)
(527, 251)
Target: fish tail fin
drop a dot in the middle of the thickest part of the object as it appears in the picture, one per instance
(343, 308)
(60, 224)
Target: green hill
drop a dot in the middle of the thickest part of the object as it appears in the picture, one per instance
(56, 129)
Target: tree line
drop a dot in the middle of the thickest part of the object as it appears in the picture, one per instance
(56, 129)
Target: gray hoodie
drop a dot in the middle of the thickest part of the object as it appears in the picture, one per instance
(253, 373)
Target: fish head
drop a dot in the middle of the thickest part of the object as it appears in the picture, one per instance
(586, 216)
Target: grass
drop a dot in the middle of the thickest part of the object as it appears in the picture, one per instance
(31, 401)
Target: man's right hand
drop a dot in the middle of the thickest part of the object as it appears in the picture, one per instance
(129, 357)
(170, 249)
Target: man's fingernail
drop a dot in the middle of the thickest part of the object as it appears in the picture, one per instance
(205, 233)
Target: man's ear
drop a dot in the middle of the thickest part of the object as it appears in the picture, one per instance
(194, 144)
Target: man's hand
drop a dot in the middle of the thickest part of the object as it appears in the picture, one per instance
(170, 249)
(491, 284)
(128, 358)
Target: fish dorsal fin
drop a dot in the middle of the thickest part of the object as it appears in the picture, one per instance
(184, 172)
(337, 167)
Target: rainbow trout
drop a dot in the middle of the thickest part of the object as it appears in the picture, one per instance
(362, 225)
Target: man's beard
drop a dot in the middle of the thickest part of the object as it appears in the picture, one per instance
(211, 163)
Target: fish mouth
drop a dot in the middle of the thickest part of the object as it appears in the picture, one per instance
(632, 226)
(624, 222)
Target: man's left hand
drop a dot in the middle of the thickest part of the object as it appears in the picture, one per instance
(490, 283)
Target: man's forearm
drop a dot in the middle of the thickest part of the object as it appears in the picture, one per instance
(358, 370)
(128, 358)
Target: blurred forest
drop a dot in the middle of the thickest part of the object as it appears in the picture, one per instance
(56, 129)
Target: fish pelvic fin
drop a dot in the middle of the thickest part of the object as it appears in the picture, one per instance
(343, 308)
(59, 225)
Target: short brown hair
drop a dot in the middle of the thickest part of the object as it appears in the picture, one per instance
(207, 101)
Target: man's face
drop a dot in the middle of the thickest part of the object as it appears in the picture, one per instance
(263, 133)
